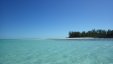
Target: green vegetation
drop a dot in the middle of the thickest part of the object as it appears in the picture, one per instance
(92, 33)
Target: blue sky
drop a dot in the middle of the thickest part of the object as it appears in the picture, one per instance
(53, 18)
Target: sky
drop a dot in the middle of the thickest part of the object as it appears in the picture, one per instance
(53, 18)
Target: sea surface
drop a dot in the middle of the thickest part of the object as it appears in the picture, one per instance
(24, 51)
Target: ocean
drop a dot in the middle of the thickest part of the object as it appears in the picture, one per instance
(56, 51)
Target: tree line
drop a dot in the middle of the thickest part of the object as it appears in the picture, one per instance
(92, 33)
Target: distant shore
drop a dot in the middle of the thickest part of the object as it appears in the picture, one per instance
(81, 38)
(99, 33)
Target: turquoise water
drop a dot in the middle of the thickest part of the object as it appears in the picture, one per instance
(15, 51)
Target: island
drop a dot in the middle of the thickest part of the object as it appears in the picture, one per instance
(99, 33)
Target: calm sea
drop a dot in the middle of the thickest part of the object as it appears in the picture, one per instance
(18, 51)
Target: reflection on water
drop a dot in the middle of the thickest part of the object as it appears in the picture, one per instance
(56, 51)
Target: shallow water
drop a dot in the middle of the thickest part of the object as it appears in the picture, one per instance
(15, 51)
